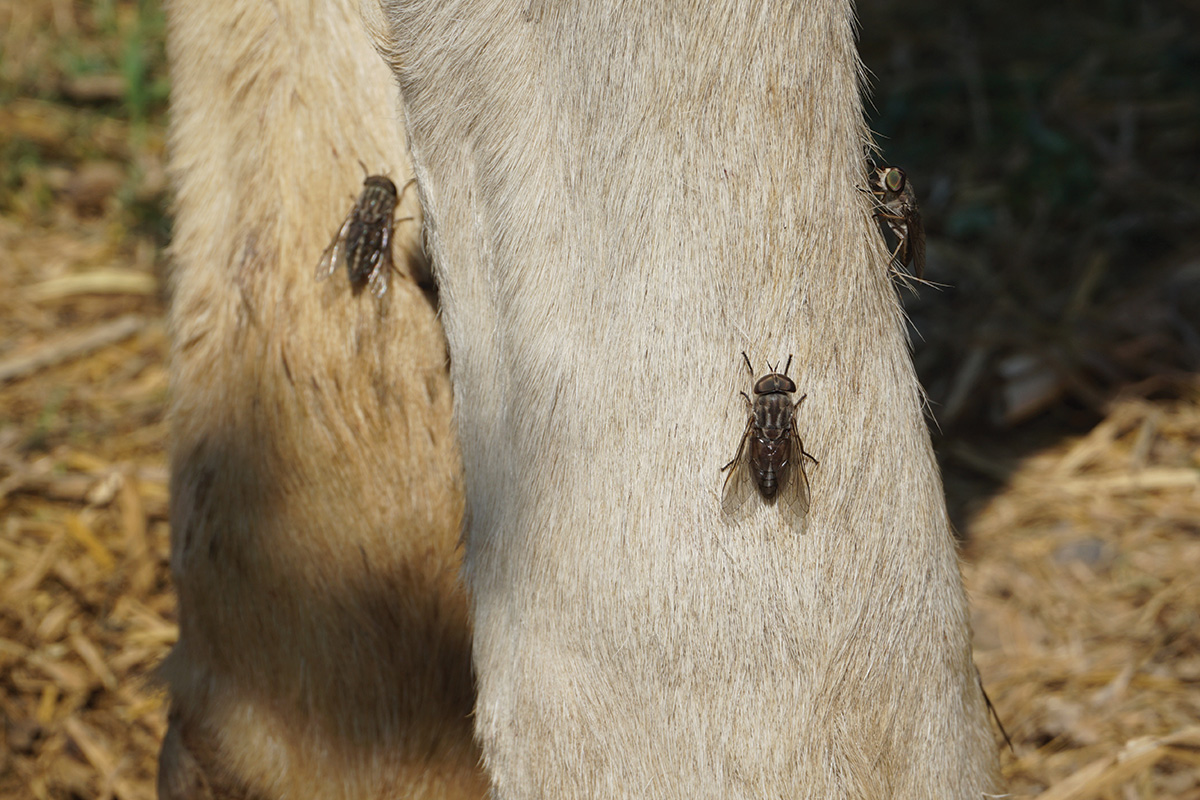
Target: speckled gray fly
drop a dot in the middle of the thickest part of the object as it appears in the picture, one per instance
(364, 242)
(897, 207)
(770, 454)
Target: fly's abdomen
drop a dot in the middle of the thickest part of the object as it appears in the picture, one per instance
(365, 253)
(769, 455)
(768, 483)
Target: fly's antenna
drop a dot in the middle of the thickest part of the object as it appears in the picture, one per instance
(788, 365)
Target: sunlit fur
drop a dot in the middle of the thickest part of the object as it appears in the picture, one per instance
(620, 198)
(315, 488)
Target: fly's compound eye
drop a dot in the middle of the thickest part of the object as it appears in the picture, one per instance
(773, 383)
(893, 179)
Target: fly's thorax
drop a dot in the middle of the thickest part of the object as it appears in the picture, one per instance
(377, 203)
(380, 186)
(773, 415)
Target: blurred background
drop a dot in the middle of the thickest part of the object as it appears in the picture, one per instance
(1055, 152)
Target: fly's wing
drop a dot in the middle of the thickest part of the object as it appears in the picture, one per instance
(910, 240)
(793, 483)
(916, 235)
(379, 275)
(891, 217)
(739, 483)
(330, 257)
(383, 262)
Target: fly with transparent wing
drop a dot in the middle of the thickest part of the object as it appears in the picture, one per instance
(364, 241)
(770, 456)
(897, 208)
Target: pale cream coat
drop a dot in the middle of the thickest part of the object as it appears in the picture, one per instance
(619, 199)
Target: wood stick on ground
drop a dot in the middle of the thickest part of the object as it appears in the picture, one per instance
(73, 346)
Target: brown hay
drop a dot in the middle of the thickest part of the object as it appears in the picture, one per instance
(1085, 584)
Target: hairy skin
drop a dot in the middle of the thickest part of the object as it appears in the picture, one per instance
(620, 198)
(316, 495)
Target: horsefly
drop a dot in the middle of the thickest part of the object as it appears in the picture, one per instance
(897, 207)
(770, 455)
(364, 241)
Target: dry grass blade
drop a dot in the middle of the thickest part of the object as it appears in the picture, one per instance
(1144, 481)
(82, 533)
(97, 281)
(1102, 776)
(1083, 581)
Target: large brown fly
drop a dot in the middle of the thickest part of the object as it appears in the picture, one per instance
(364, 241)
(770, 455)
(896, 207)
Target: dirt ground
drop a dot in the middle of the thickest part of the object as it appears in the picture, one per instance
(1055, 151)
